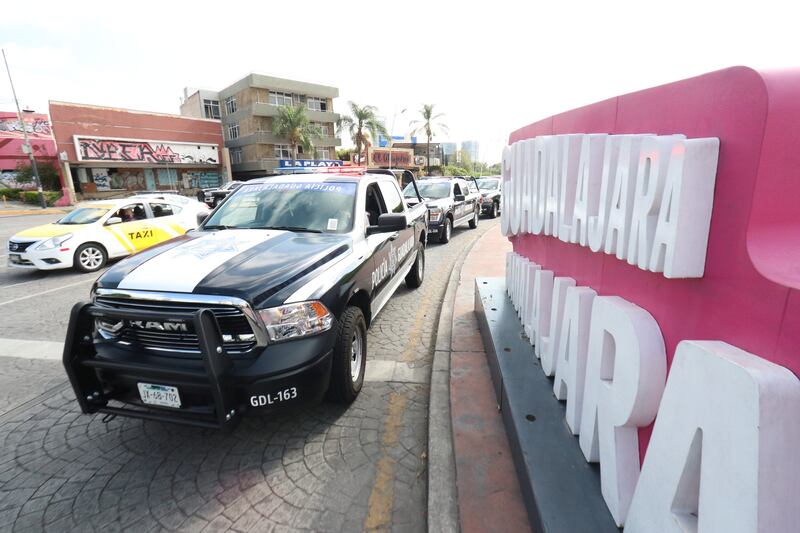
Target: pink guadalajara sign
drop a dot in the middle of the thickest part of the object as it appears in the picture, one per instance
(747, 295)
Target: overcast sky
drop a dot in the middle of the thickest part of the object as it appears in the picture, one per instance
(489, 66)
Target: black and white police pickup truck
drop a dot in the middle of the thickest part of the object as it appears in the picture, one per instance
(451, 201)
(266, 304)
(214, 195)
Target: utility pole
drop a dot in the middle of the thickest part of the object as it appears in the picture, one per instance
(28, 147)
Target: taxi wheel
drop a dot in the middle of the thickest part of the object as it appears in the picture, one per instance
(493, 213)
(417, 272)
(474, 222)
(349, 357)
(90, 257)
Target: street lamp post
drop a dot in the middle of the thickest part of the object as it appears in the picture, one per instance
(28, 147)
(391, 135)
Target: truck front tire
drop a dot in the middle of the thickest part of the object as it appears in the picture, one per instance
(349, 357)
(417, 273)
(444, 233)
(474, 222)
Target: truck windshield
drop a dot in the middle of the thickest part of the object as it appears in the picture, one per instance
(429, 190)
(488, 184)
(297, 206)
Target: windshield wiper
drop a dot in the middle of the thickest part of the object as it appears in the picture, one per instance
(219, 226)
(293, 228)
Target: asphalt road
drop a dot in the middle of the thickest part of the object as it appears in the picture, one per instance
(35, 304)
(317, 468)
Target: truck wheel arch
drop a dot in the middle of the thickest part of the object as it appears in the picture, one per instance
(361, 299)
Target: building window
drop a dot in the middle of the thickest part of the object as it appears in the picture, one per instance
(211, 108)
(324, 153)
(236, 156)
(278, 98)
(283, 151)
(233, 130)
(317, 104)
(324, 129)
(230, 105)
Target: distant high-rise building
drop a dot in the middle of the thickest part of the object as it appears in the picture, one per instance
(247, 108)
(471, 148)
(449, 153)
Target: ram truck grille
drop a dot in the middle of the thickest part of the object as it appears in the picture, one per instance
(237, 335)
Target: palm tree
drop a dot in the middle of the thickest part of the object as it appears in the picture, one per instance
(293, 124)
(362, 119)
(429, 126)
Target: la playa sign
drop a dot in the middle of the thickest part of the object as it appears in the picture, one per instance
(655, 271)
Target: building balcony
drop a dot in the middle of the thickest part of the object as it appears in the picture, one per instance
(268, 110)
(265, 137)
(257, 165)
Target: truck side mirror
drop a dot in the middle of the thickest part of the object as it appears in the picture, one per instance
(460, 197)
(389, 223)
(201, 217)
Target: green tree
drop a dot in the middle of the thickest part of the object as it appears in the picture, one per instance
(345, 154)
(429, 125)
(292, 123)
(48, 174)
(362, 119)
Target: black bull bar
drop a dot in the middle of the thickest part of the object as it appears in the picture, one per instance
(81, 363)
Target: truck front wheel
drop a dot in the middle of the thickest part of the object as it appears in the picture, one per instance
(444, 233)
(417, 272)
(349, 357)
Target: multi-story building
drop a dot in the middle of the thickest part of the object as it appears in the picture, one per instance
(247, 109)
(472, 148)
(449, 151)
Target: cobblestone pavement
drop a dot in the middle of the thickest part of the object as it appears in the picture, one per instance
(319, 468)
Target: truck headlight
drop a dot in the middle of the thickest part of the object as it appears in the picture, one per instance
(435, 214)
(54, 242)
(292, 321)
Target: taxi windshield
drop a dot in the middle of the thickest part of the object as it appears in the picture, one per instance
(433, 190)
(488, 184)
(316, 207)
(84, 215)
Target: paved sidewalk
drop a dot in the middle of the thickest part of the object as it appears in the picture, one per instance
(489, 497)
(13, 209)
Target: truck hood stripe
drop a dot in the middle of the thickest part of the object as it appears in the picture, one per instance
(182, 267)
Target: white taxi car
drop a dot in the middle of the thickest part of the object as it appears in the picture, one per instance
(97, 231)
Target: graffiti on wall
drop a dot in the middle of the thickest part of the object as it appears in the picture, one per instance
(8, 180)
(200, 180)
(36, 126)
(135, 151)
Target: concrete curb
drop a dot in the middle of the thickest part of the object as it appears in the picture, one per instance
(21, 212)
(442, 491)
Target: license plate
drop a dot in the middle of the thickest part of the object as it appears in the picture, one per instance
(265, 400)
(15, 258)
(162, 395)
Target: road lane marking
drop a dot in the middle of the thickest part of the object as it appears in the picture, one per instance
(21, 283)
(381, 499)
(45, 292)
(26, 349)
